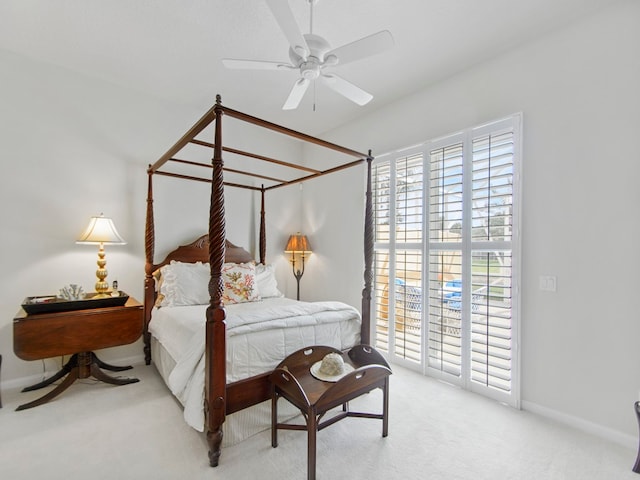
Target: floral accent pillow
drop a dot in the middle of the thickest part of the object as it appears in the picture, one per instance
(239, 280)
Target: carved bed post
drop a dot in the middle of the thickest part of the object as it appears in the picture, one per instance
(215, 385)
(365, 336)
(263, 234)
(149, 287)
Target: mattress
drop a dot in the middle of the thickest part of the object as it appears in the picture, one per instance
(259, 336)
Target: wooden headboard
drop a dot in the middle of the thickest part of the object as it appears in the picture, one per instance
(198, 251)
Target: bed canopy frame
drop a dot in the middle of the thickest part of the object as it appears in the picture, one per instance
(221, 398)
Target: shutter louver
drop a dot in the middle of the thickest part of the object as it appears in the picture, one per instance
(491, 320)
(382, 299)
(408, 305)
(445, 194)
(492, 191)
(381, 200)
(445, 309)
(409, 187)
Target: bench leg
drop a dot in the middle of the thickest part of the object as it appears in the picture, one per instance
(274, 419)
(385, 408)
(312, 429)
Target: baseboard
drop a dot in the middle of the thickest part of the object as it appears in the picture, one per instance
(615, 436)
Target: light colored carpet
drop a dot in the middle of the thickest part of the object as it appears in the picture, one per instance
(436, 431)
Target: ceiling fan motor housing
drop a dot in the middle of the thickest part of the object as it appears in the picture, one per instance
(318, 47)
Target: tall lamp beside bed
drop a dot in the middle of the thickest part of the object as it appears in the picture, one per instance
(228, 326)
(298, 245)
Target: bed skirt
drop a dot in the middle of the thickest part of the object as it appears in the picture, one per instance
(239, 425)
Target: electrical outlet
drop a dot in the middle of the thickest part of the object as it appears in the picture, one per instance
(548, 283)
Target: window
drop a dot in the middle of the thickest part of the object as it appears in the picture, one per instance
(446, 248)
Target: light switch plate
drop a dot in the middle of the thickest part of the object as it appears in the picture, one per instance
(548, 283)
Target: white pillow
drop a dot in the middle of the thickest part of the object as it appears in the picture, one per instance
(266, 281)
(183, 284)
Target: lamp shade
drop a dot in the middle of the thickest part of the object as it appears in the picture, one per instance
(298, 244)
(101, 230)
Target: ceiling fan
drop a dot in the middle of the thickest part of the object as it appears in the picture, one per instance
(311, 54)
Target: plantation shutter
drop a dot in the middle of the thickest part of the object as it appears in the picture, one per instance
(445, 258)
(446, 252)
(491, 235)
(399, 193)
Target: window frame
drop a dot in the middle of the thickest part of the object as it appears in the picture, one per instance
(467, 247)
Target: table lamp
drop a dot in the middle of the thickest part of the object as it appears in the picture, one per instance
(101, 231)
(298, 244)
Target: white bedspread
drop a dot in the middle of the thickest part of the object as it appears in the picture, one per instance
(259, 336)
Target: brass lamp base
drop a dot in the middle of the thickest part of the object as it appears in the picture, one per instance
(102, 286)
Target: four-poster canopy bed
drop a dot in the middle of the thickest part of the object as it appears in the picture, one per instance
(221, 396)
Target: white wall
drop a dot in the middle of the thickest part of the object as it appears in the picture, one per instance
(578, 89)
(73, 147)
(67, 155)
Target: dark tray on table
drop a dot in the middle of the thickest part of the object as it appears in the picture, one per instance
(51, 303)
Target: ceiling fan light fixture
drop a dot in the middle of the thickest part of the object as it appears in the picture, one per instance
(310, 70)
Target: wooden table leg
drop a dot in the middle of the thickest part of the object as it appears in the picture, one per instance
(80, 365)
(72, 377)
(103, 377)
(107, 366)
(63, 371)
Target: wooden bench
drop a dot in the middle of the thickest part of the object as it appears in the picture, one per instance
(292, 380)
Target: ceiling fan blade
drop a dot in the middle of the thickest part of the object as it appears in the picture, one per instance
(365, 47)
(284, 16)
(347, 89)
(237, 64)
(296, 94)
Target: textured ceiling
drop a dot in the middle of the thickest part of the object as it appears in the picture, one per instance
(172, 49)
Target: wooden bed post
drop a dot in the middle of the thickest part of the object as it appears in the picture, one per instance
(149, 287)
(263, 233)
(215, 361)
(221, 398)
(365, 336)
